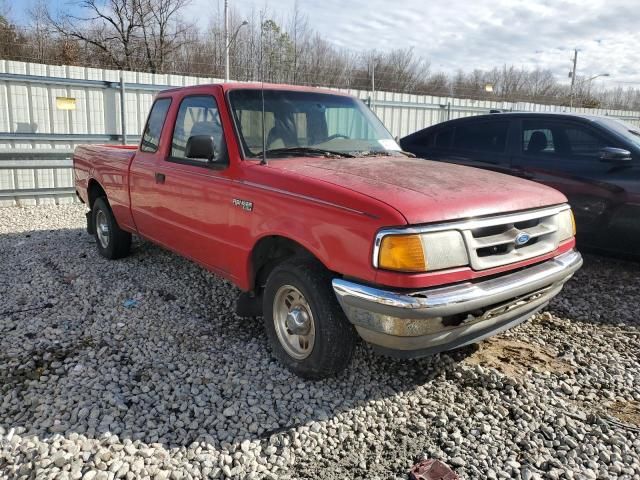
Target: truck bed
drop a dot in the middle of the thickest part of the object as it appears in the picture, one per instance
(109, 165)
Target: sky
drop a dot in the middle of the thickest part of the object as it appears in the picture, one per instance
(459, 34)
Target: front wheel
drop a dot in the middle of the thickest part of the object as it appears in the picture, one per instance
(306, 327)
(112, 241)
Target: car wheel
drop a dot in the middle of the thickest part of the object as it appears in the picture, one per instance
(112, 241)
(306, 327)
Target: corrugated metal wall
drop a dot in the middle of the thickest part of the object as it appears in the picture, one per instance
(37, 137)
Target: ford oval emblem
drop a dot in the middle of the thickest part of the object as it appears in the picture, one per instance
(522, 238)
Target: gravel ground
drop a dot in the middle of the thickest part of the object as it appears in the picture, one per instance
(140, 369)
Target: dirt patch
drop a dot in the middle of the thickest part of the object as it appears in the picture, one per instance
(514, 358)
(628, 412)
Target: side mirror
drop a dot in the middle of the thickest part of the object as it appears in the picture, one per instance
(201, 146)
(615, 155)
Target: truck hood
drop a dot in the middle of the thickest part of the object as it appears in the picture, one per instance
(425, 191)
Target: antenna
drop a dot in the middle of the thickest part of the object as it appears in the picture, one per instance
(264, 134)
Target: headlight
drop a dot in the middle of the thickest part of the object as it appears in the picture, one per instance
(566, 225)
(421, 252)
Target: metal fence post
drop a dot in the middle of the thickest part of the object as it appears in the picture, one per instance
(123, 121)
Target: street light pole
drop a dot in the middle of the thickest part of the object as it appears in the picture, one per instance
(227, 41)
(594, 77)
(588, 80)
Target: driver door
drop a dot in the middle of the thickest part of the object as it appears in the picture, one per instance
(194, 195)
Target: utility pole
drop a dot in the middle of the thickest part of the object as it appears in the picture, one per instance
(226, 40)
(573, 77)
(373, 83)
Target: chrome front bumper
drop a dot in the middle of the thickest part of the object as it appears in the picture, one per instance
(424, 322)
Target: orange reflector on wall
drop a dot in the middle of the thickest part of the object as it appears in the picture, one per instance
(65, 103)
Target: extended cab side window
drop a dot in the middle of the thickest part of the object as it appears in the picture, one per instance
(197, 115)
(482, 137)
(151, 135)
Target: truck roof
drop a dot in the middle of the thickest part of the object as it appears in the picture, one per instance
(228, 86)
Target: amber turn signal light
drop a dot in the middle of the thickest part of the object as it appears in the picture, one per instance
(402, 253)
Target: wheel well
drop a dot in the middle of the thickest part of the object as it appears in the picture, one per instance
(270, 252)
(95, 191)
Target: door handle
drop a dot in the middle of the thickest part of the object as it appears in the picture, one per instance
(160, 177)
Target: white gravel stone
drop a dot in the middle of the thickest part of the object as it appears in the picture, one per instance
(177, 386)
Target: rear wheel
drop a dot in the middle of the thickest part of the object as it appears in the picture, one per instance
(111, 240)
(306, 327)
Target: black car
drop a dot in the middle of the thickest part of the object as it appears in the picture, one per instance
(593, 160)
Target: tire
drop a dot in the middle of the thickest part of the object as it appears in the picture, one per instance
(112, 241)
(328, 350)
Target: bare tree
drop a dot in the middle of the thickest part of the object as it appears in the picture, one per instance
(163, 31)
(41, 37)
(299, 32)
(12, 40)
(151, 35)
(108, 26)
(128, 33)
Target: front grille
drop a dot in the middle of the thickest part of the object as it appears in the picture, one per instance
(495, 242)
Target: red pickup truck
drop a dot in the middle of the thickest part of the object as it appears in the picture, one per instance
(304, 200)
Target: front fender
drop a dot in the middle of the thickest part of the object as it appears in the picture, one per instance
(343, 244)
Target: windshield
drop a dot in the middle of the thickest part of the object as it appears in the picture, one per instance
(630, 132)
(307, 123)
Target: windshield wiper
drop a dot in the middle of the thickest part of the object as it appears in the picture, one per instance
(384, 153)
(304, 151)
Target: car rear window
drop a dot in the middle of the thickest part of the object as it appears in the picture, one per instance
(483, 137)
(443, 138)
